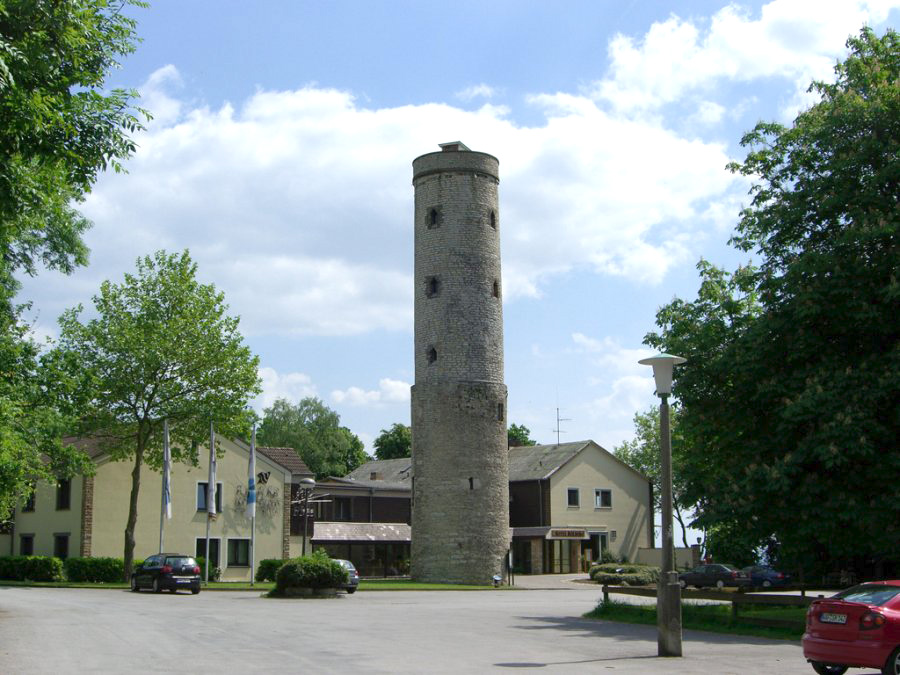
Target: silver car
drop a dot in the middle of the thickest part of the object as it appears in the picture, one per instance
(352, 576)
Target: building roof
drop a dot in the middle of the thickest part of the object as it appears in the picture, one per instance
(324, 532)
(383, 473)
(539, 462)
(288, 458)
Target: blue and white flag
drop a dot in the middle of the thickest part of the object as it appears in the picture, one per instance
(211, 485)
(251, 478)
(167, 471)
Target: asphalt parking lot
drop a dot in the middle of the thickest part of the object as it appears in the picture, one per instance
(46, 630)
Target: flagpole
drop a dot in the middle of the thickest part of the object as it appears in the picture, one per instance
(251, 500)
(166, 497)
(210, 495)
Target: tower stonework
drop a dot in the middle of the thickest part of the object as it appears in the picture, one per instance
(460, 511)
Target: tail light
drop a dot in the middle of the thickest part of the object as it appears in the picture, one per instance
(871, 621)
(780, 575)
(734, 575)
(196, 569)
(166, 569)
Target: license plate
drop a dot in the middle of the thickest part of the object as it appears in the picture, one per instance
(828, 617)
(182, 581)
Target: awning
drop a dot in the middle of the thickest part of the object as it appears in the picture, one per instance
(361, 532)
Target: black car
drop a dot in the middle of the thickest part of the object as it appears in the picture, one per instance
(760, 575)
(714, 574)
(167, 571)
(352, 576)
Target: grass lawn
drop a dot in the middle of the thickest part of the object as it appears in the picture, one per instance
(712, 618)
(364, 585)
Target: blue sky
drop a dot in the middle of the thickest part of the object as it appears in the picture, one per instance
(280, 155)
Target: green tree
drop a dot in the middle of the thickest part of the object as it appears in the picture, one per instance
(314, 431)
(58, 128)
(642, 453)
(394, 443)
(162, 347)
(519, 434)
(790, 393)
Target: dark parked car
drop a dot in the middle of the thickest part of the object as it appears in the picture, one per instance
(760, 575)
(714, 574)
(858, 627)
(167, 571)
(352, 576)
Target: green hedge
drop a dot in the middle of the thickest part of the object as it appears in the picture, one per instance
(31, 568)
(314, 571)
(625, 574)
(214, 572)
(268, 568)
(94, 569)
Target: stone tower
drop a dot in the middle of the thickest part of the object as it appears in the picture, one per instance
(460, 512)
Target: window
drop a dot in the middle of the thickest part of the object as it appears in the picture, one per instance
(434, 218)
(499, 412)
(213, 551)
(573, 499)
(26, 544)
(342, 509)
(28, 506)
(432, 286)
(239, 553)
(602, 499)
(61, 545)
(493, 220)
(63, 494)
(201, 496)
(496, 289)
(432, 355)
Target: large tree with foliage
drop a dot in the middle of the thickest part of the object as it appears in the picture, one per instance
(394, 443)
(59, 127)
(642, 453)
(314, 431)
(790, 395)
(162, 347)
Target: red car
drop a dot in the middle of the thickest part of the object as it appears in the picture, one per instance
(858, 627)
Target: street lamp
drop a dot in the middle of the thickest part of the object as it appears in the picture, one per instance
(668, 595)
(307, 486)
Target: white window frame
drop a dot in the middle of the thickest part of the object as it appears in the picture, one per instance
(220, 492)
(228, 551)
(598, 499)
(569, 504)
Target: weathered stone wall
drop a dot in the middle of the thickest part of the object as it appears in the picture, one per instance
(460, 519)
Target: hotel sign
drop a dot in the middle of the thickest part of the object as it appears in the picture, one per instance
(567, 533)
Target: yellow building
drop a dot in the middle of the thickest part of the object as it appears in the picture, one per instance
(86, 515)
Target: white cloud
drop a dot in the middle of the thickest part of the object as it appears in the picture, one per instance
(389, 391)
(794, 39)
(275, 385)
(476, 91)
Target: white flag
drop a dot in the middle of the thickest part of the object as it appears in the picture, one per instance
(251, 478)
(167, 471)
(211, 486)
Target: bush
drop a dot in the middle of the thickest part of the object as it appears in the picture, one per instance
(607, 556)
(214, 572)
(268, 568)
(42, 568)
(314, 571)
(625, 574)
(96, 570)
(12, 567)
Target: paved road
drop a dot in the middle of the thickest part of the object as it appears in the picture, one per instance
(106, 631)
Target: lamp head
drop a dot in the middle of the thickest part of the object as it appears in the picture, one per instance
(308, 483)
(663, 365)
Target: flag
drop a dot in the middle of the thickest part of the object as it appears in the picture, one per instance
(251, 478)
(167, 471)
(211, 486)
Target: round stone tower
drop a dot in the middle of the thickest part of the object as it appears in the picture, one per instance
(460, 511)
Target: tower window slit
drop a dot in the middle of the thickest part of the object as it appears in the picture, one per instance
(432, 286)
(496, 289)
(493, 220)
(500, 412)
(433, 218)
(432, 355)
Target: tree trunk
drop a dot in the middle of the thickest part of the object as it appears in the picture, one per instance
(133, 504)
(680, 520)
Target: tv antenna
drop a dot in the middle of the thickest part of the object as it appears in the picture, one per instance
(558, 420)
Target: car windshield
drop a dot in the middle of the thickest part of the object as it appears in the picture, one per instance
(181, 561)
(730, 568)
(869, 594)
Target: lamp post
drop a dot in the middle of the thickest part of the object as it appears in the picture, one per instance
(668, 595)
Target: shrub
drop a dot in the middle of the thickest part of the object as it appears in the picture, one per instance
(268, 568)
(314, 571)
(625, 574)
(12, 567)
(94, 569)
(42, 568)
(214, 572)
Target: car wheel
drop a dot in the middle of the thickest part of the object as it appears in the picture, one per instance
(134, 585)
(351, 591)
(156, 588)
(195, 591)
(767, 583)
(828, 668)
(720, 584)
(892, 666)
(173, 591)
